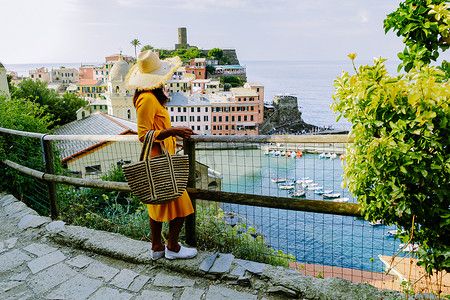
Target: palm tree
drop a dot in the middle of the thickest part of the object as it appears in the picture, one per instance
(146, 47)
(135, 43)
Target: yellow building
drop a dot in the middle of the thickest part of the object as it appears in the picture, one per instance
(91, 88)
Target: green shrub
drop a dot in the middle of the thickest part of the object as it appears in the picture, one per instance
(399, 163)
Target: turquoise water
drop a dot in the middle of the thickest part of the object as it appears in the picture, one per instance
(313, 238)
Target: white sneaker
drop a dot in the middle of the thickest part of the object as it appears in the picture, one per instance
(182, 254)
(157, 254)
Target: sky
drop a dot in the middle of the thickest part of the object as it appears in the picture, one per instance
(71, 31)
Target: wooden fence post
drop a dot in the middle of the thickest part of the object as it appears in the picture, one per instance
(189, 149)
(51, 186)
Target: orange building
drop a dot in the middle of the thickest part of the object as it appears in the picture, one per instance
(236, 112)
(86, 72)
(197, 67)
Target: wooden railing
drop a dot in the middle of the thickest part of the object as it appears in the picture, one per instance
(327, 207)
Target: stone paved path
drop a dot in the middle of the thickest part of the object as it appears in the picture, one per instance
(41, 259)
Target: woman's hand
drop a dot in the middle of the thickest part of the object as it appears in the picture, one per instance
(183, 132)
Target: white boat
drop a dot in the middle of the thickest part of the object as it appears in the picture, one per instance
(277, 153)
(333, 156)
(283, 153)
(288, 186)
(266, 152)
(288, 153)
(320, 192)
(313, 188)
(393, 232)
(341, 200)
(278, 180)
(298, 194)
(306, 181)
(272, 152)
(322, 155)
(377, 223)
(332, 195)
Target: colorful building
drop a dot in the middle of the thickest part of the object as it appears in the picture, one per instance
(235, 112)
(41, 74)
(86, 72)
(259, 89)
(193, 111)
(65, 75)
(197, 67)
(91, 88)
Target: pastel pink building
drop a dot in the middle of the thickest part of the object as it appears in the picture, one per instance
(259, 89)
(236, 112)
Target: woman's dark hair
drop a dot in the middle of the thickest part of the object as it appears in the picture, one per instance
(158, 92)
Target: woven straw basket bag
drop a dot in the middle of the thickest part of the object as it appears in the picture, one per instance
(160, 179)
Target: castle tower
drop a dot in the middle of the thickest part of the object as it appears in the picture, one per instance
(182, 38)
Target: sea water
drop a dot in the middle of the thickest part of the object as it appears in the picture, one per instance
(314, 238)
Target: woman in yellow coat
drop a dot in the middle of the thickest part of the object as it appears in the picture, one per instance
(147, 78)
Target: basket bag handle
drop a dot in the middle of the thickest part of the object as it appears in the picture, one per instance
(145, 155)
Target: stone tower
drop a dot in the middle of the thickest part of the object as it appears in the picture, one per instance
(182, 38)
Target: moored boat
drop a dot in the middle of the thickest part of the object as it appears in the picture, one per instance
(278, 180)
(332, 195)
(342, 200)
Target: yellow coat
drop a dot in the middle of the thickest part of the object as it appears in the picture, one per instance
(151, 115)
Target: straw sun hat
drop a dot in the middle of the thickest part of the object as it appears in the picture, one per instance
(150, 72)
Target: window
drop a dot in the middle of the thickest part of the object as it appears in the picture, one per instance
(184, 109)
(198, 109)
(171, 109)
(198, 119)
(232, 109)
(245, 118)
(220, 118)
(193, 127)
(179, 109)
(232, 127)
(198, 127)
(232, 118)
(206, 109)
(214, 119)
(219, 127)
(239, 118)
(192, 109)
(251, 108)
(191, 118)
(226, 118)
(92, 170)
(200, 73)
(171, 119)
(251, 117)
(205, 118)
(129, 114)
(257, 89)
(226, 127)
(214, 127)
